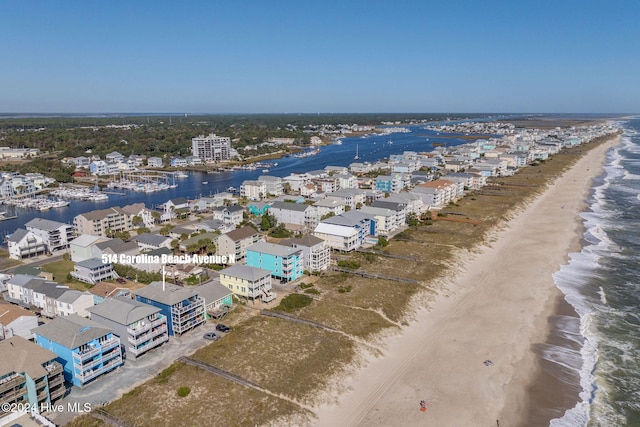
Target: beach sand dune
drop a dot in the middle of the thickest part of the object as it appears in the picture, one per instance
(494, 309)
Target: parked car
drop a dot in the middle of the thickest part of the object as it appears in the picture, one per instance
(211, 336)
(222, 328)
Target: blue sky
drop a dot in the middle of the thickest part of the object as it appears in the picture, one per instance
(324, 56)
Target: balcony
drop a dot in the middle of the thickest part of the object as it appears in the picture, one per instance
(53, 368)
(14, 395)
(55, 394)
(89, 375)
(154, 343)
(194, 304)
(10, 382)
(149, 335)
(83, 366)
(112, 364)
(85, 354)
(56, 381)
(110, 343)
(141, 329)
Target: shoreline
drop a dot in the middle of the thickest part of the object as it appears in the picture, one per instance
(506, 287)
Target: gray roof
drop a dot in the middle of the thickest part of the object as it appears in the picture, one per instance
(298, 207)
(124, 311)
(396, 206)
(212, 224)
(45, 287)
(212, 291)
(71, 331)
(17, 235)
(170, 296)
(151, 239)
(91, 263)
(71, 296)
(245, 272)
(45, 224)
(307, 241)
(241, 233)
(20, 279)
(19, 355)
(85, 240)
(273, 249)
(349, 219)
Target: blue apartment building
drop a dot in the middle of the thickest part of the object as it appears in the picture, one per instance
(285, 263)
(85, 348)
(183, 307)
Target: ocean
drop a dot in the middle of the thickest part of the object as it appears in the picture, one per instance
(602, 283)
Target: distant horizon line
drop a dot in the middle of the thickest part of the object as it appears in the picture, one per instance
(110, 114)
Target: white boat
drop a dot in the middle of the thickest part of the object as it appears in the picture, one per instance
(356, 157)
(265, 170)
(205, 182)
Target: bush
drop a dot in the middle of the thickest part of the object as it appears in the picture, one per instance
(343, 289)
(369, 257)
(312, 291)
(306, 285)
(354, 265)
(184, 391)
(382, 242)
(294, 302)
(442, 214)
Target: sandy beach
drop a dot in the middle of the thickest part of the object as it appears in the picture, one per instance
(495, 308)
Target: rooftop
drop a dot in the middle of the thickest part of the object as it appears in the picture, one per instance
(273, 249)
(71, 331)
(124, 311)
(19, 355)
(171, 294)
(245, 272)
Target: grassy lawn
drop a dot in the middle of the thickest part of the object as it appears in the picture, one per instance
(60, 269)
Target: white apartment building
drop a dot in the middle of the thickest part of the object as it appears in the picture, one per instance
(211, 148)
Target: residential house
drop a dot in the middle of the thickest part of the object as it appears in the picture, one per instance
(437, 193)
(179, 162)
(253, 190)
(93, 270)
(299, 215)
(248, 282)
(25, 244)
(285, 263)
(30, 378)
(386, 221)
(346, 232)
(74, 302)
(315, 251)
(182, 307)
(236, 242)
(258, 208)
(391, 183)
(85, 348)
(233, 215)
(149, 241)
(154, 162)
(16, 321)
(213, 225)
(55, 235)
(216, 297)
(325, 207)
(104, 290)
(81, 247)
(399, 209)
(141, 211)
(114, 157)
(274, 185)
(140, 327)
(178, 204)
